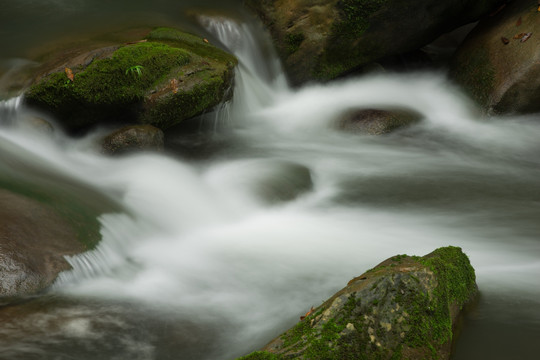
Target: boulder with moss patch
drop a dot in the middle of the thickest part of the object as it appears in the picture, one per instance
(404, 308)
(320, 40)
(161, 80)
(499, 62)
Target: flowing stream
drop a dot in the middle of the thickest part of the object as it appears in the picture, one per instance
(211, 258)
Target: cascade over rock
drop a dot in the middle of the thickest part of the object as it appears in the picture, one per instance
(320, 40)
(404, 308)
(165, 78)
(499, 62)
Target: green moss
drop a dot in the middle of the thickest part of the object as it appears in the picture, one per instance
(347, 49)
(327, 341)
(429, 318)
(399, 258)
(293, 42)
(261, 355)
(106, 81)
(397, 355)
(106, 88)
(176, 107)
(191, 43)
(298, 332)
(424, 316)
(123, 87)
(355, 16)
(455, 273)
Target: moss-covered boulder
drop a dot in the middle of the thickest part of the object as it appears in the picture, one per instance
(323, 39)
(133, 138)
(377, 121)
(499, 63)
(33, 241)
(404, 308)
(160, 80)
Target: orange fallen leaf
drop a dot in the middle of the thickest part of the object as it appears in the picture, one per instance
(174, 85)
(526, 37)
(519, 36)
(69, 73)
(307, 314)
(518, 22)
(505, 40)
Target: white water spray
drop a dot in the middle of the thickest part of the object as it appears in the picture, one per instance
(259, 79)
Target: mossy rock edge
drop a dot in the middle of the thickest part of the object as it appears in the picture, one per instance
(325, 39)
(404, 308)
(498, 65)
(161, 80)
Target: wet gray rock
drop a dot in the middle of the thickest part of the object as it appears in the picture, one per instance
(377, 122)
(133, 138)
(499, 62)
(323, 39)
(33, 242)
(404, 308)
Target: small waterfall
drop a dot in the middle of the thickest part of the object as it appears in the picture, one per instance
(9, 110)
(260, 79)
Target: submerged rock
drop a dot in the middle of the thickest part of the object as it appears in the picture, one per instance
(376, 122)
(328, 38)
(278, 181)
(270, 180)
(35, 123)
(133, 138)
(404, 308)
(499, 62)
(161, 80)
(33, 242)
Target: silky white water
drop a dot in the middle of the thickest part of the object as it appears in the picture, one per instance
(211, 243)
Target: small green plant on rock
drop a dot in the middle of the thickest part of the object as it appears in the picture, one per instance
(135, 70)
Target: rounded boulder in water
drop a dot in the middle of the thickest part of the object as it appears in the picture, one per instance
(375, 121)
(281, 181)
(162, 79)
(269, 180)
(33, 242)
(498, 65)
(133, 138)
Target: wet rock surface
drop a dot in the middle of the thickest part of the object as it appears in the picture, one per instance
(33, 242)
(161, 79)
(499, 62)
(324, 39)
(404, 308)
(133, 138)
(376, 121)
